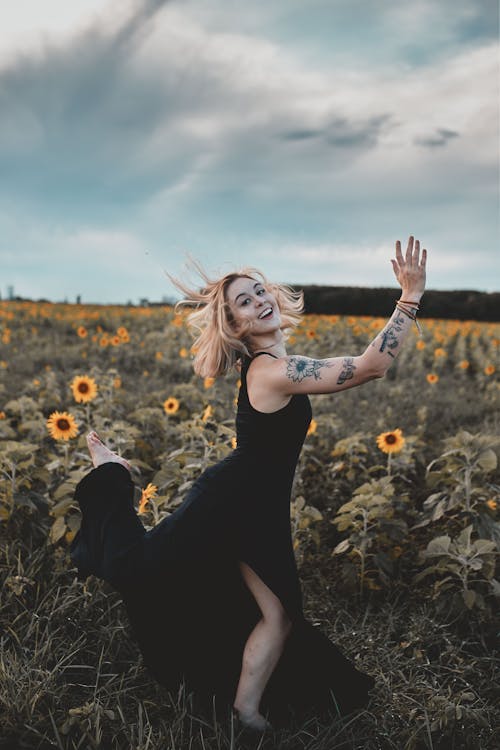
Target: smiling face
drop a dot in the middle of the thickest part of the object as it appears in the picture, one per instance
(254, 309)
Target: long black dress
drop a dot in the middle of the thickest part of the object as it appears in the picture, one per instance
(188, 605)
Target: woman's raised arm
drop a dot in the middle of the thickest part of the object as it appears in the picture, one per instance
(297, 374)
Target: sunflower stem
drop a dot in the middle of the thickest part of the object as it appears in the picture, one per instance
(66, 454)
(389, 456)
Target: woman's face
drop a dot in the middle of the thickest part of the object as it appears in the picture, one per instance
(251, 303)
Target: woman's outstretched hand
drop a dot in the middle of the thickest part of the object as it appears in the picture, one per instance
(410, 271)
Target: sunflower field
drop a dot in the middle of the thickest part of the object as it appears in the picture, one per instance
(395, 516)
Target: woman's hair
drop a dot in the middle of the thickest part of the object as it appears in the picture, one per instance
(218, 345)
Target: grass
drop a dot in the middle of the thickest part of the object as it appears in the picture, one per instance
(71, 674)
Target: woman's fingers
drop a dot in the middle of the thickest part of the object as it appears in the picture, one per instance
(409, 250)
(424, 258)
(399, 254)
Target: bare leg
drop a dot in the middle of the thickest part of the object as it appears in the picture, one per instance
(101, 454)
(262, 651)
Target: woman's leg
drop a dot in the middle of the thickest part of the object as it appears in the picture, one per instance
(262, 650)
(109, 542)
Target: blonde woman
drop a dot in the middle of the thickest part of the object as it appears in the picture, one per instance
(212, 591)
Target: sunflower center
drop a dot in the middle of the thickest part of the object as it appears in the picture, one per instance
(63, 424)
(390, 439)
(83, 387)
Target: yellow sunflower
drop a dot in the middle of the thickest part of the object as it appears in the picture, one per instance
(82, 332)
(489, 369)
(420, 344)
(171, 405)
(183, 352)
(84, 389)
(391, 442)
(440, 352)
(432, 378)
(122, 332)
(464, 364)
(62, 425)
(492, 504)
(147, 494)
(208, 382)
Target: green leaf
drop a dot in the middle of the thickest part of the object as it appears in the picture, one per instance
(57, 530)
(487, 460)
(469, 598)
(341, 547)
(438, 546)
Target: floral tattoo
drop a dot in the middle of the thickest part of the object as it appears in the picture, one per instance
(299, 368)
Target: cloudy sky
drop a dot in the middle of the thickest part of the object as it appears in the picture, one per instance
(300, 137)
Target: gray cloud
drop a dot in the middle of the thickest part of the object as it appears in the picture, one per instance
(440, 138)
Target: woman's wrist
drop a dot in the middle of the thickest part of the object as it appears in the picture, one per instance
(411, 297)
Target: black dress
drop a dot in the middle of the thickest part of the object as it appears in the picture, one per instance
(188, 605)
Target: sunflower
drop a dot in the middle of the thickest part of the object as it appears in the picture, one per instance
(117, 382)
(84, 389)
(492, 504)
(115, 340)
(171, 405)
(420, 344)
(122, 332)
(432, 378)
(62, 425)
(183, 352)
(82, 332)
(440, 352)
(489, 369)
(234, 443)
(147, 494)
(391, 442)
(464, 364)
(311, 333)
(2, 415)
(208, 382)
(313, 426)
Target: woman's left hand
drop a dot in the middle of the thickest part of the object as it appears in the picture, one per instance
(410, 271)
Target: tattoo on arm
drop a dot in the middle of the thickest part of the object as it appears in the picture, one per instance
(348, 368)
(299, 368)
(388, 335)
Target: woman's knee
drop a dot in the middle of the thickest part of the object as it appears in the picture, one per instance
(278, 620)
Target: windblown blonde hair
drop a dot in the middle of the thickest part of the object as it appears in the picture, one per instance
(218, 346)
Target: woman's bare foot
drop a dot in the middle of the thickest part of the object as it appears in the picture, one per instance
(101, 454)
(253, 720)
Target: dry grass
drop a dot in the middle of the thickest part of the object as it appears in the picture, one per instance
(71, 675)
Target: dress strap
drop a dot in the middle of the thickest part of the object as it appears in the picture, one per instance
(268, 353)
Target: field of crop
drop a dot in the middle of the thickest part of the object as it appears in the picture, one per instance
(395, 516)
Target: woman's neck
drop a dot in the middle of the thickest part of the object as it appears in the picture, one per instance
(273, 343)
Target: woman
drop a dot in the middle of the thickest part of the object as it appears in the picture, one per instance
(212, 591)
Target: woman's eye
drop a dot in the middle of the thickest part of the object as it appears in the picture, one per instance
(261, 291)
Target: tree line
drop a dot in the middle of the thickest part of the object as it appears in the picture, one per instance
(462, 304)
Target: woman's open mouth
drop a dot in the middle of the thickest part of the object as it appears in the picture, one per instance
(265, 314)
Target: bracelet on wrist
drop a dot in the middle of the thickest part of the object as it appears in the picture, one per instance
(408, 302)
(410, 313)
